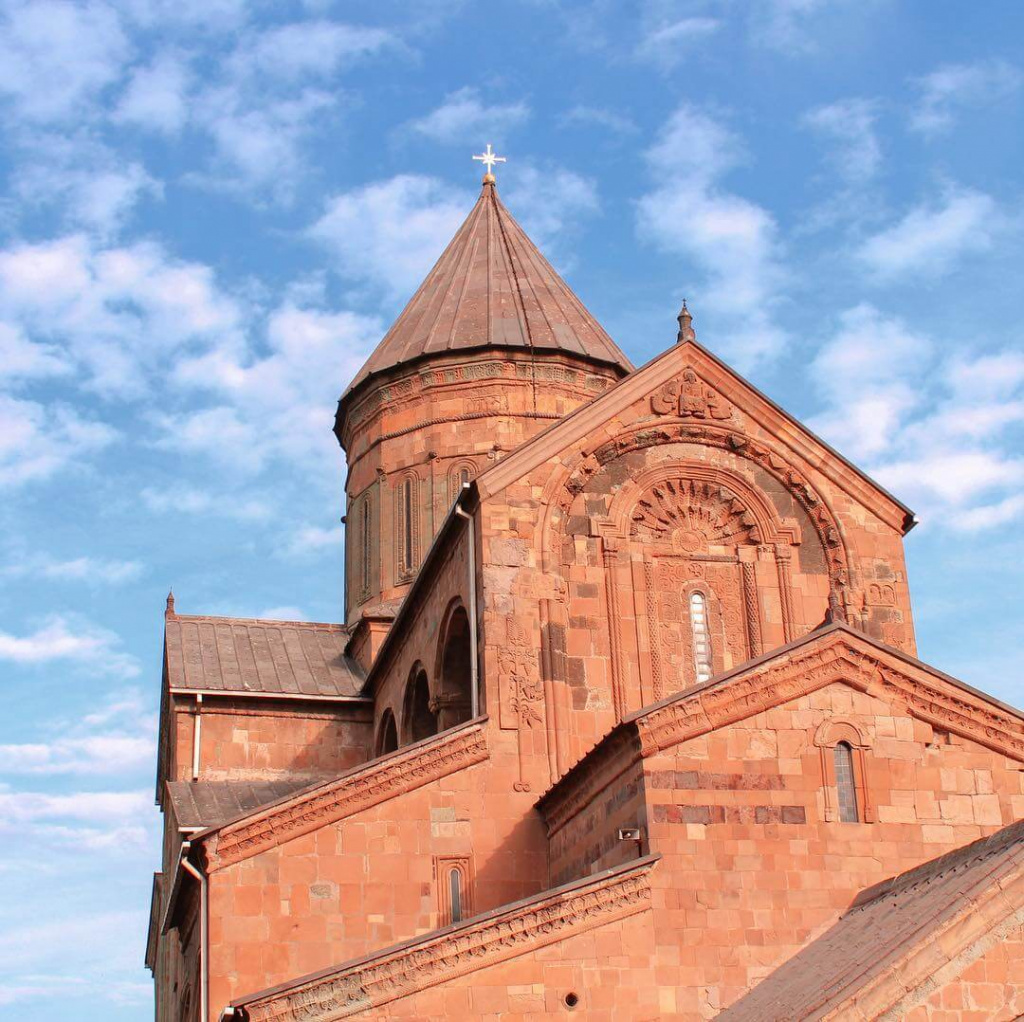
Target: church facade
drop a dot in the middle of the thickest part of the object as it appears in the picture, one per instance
(624, 719)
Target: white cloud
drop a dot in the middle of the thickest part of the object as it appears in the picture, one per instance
(464, 117)
(932, 237)
(549, 202)
(667, 42)
(601, 117)
(55, 58)
(282, 614)
(937, 431)
(315, 538)
(785, 25)
(391, 232)
(850, 125)
(307, 49)
(733, 241)
(72, 640)
(118, 738)
(22, 359)
(282, 402)
(190, 501)
(954, 87)
(156, 96)
(98, 302)
(37, 441)
(78, 569)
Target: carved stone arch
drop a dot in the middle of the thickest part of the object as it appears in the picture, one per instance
(561, 491)
(452, 699)
(419, 721)
(747, 515)
(830, 734)
(459, 471)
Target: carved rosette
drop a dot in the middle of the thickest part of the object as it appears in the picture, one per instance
(471, 946)
(695, 515)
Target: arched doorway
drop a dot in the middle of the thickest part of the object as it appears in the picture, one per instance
(418, 720)
(455, 671)
(387, 734)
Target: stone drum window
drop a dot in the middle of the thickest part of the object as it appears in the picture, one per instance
(846, 784)
(701, 636)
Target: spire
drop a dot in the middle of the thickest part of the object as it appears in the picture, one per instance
(491, 288)
(686, 331)
(169, 610)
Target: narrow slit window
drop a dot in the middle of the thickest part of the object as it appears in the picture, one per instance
(701, 636)
(455, 893)
(407, 535)
(846, 788)
(364, 528)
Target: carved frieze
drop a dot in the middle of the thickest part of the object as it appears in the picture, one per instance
(471, 946)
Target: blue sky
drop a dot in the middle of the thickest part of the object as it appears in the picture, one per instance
(211, 211)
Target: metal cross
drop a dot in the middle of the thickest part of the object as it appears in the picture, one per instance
(488, 159)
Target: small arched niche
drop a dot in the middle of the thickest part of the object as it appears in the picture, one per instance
(418, 719)
(453, 703)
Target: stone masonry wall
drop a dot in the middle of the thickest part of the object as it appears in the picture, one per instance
(752, 866)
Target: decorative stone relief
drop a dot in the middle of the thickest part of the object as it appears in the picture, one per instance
(520, 689)
(473, 945)
(690, 398)
(695, 515)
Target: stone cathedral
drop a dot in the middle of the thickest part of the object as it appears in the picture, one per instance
(624, 720)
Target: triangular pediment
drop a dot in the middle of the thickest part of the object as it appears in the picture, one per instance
(689, 386)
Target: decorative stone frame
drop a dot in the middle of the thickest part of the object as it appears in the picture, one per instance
(407, 527)
(455, 477)
(443, 867)
(828, 735)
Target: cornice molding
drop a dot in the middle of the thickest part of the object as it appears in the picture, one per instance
(509, 932)
(359, 789)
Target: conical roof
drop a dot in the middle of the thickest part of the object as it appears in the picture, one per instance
(491, 288)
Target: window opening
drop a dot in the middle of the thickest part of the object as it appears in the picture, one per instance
(407, 513)
(455, 891)
(845, 785)
(701, 636)
(364, 526)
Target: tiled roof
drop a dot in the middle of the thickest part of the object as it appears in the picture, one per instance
(885, 923)
(211, 803)
(491, 287)
(223, 654)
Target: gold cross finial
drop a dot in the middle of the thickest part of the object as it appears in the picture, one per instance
(488, 159)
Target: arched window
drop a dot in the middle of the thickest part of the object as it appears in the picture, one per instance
(387, 734)
(701, 636)
(418, 720)
(455, 673)
(844, 746)
(454, 894)
(458, 476)
(846, 785)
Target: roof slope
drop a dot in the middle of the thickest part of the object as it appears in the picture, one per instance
(491, 288)
(885, 926)
(205, 804)
(289, 658)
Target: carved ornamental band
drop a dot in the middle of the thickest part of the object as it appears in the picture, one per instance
(474, 945)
